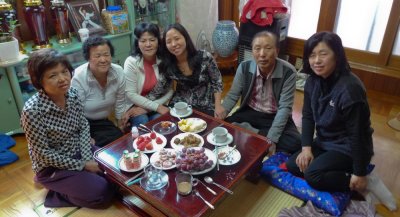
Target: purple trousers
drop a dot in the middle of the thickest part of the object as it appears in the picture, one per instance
(75, 188)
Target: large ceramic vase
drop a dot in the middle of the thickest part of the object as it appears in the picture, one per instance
(225, 38)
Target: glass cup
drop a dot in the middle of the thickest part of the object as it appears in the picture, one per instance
(153, 178)
(184, 183)
(220, 134)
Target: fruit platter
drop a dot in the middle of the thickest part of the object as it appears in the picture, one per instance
(195, 161)
(192, 125)
(150, 142)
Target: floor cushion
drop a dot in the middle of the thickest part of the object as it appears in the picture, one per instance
(274, 170)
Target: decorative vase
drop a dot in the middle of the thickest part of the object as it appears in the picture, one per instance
(225, 38)
(59, 15)
(36, 19)
(10, 50)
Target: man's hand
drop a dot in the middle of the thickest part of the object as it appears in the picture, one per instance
(92, 166)
(358, 183)
(220, 112)
(304, 158)
(272, 148)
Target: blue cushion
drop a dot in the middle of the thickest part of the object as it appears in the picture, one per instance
(6, 142)
(7, 157)
(333, 203)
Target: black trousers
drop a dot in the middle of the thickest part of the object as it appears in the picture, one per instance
(329, 171)
(104, 131)
(288, 142)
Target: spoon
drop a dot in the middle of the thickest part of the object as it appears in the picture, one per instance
(196, 181)
(177, 116)
(205, 201)
(209, 180)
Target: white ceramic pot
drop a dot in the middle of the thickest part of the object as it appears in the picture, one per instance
(10, 50)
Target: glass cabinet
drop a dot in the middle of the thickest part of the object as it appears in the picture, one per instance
(160, 12)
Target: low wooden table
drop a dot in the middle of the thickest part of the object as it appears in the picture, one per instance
(252, 148)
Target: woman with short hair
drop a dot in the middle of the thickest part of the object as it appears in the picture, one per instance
(147, 89)
(58, 136)
(101, 87)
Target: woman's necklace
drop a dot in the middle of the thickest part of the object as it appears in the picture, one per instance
(184, 68)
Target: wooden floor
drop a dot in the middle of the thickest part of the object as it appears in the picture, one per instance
(19, 195)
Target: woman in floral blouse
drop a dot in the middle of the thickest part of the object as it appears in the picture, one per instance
(198, 80)
(58, 136)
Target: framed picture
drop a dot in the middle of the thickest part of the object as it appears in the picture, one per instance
(84, 14)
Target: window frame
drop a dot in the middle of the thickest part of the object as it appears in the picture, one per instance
(383, 62)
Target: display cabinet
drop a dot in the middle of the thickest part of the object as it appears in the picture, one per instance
(160, 12)
(9, 116)
(15, 86)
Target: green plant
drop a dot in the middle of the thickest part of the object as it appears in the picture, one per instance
(7, 28)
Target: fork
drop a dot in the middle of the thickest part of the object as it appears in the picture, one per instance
(205, 201)
(144, 126)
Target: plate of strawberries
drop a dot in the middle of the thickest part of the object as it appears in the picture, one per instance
(150, 142)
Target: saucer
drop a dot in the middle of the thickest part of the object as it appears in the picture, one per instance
(164, 131)
(210, 139)
(188, 113)
(145, 182)
(233, 158)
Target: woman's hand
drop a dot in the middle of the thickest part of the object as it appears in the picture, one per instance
(124, 122)
(136, 111)
(220, 112)
(133, 112)
(162, 109)
(304, 158)
(92, 166)
(358, 183)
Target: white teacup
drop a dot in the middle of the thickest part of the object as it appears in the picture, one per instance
(181, 108)
(220, 134)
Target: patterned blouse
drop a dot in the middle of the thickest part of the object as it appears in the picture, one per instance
(56, 137)
(198, 89)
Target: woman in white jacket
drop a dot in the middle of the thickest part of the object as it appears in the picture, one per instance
(147, 89)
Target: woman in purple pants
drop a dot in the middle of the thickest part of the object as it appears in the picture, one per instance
(58, 137)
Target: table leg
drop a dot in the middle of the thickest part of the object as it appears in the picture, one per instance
(253, 175)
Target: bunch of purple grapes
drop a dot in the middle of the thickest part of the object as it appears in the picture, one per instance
(193, 159)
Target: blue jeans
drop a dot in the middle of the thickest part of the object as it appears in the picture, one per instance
(142, 119)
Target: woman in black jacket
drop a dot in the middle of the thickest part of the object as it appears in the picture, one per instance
(336, 107)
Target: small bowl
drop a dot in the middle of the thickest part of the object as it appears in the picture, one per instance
(159, 127)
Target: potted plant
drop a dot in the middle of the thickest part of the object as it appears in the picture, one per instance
(7, 40)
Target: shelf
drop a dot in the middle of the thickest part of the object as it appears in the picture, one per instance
(23, 79)
(151, 15)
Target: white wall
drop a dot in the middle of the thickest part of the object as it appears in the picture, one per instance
(197, 15)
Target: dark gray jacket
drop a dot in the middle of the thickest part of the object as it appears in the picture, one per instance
(284, 86)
